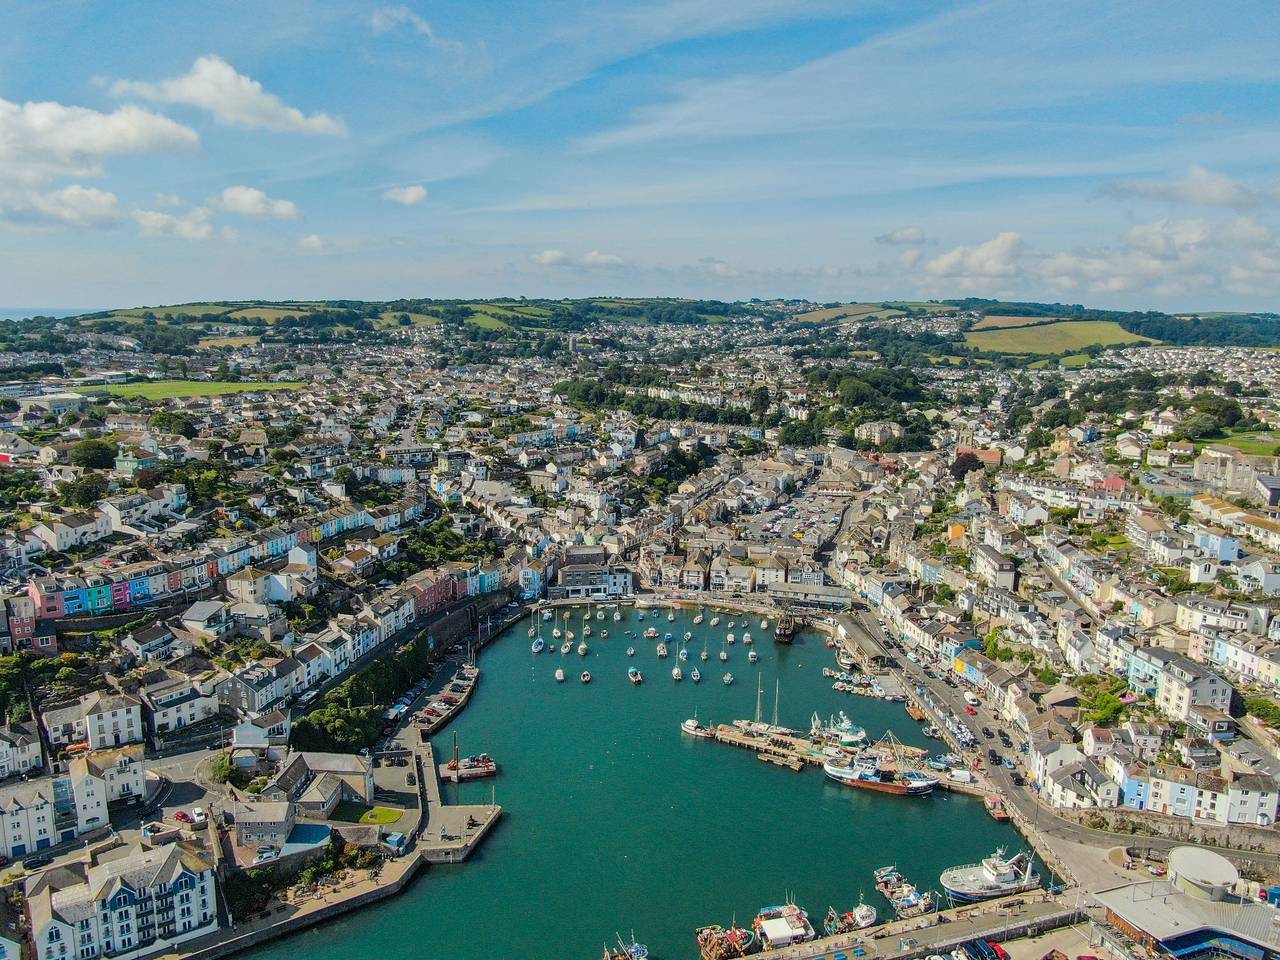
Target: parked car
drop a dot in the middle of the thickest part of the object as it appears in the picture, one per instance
(988, 733)
(970, 711)
(199, 817)
(266, 857)
(37, 861)
(183, 817)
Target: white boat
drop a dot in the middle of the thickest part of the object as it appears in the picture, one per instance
(695, 676)
(676, 673)
(556, 633)
(704, 655)
(864, 914)
(582, 649)
(547, 615)
(715, 621)
(569, 634)
(604, 634)
(586, 631)
(764, 625)
(599, 614)
(537, 645)
(753, 657)
(566, 647)
(694, 728)
(995, 876)
(688, 635)
(731, 639)
(617, 615)
(662, 650)
(746, 637)
(698, 619)
(728, 679)
(670, 616)
(586, 676)
(651, 633)
(631, 651)
(732, 624)
(559, 675)
(531, 633)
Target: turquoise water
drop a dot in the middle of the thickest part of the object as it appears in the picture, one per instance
(616, 821)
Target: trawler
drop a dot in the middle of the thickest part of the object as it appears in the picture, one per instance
(995, 876)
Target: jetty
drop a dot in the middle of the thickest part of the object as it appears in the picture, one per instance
(448, 833)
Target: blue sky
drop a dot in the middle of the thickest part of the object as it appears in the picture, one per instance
(1113, 154)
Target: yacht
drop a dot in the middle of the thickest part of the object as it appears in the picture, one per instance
(586, 676)
(695, 676)
(715, 621)
(746, 636)
(688, 635)
(676, 673)
(995, 876)
(698, 618)
(683, 654)
(582, 649)
(728, 679)
(662, 650)
(538, 645)
(753, 657)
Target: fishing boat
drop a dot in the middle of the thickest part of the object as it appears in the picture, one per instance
(753, 657)
(729, 639)
(715, 621)
(695, 676)
(586, 676)
(538, 645)
(582, 649)
(559, 675)
(937, 763)
(859, 918)
(468, 768)
(782, 926)
(746, 637)
(995, 876)
(695, 728)
(910, 902)
(995, 807)
(717, 943)
(677, 674)
(635, 676)
(785, 631)
(631, 651)
(727, 678)
(840, 730)
(626, 951)
(867, 773)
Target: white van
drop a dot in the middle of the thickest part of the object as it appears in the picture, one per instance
(971, 698)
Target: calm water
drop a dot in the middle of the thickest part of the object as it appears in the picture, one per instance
(616, 821)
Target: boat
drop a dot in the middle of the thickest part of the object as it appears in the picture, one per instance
(468, 768)
(617, 615)
(604, 634)
(717, 943)
(866, 772)
(538, 645)
(695, 676)
(753, 657)
(559, 675)
(995, 807)
(531, 633)
(697, 618)
(586, 676)
(635, 676)
(582, 649)
(662, 650)
(566, 647)
(732, 624)
(687, 636)
(683, 654)
(676, 673)
(599, 614)
(586, 631)
(724, 654)
(782, 926)
(746, 637)
(569, 634)
(639, 614)
(626, 951)
(695, 728)
(547, 616)
(715, 621)
(995, 876)
(909, 902)
(631, 651)
(785, 631)
(727, 678)
(667, 637)
(841, 730)
(859, 918)
(704, 655)
(764, 624)
(556, 633)
(671, 615)
(651, 633)
(729, 639)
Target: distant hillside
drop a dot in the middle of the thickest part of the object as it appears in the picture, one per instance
(1209, 329)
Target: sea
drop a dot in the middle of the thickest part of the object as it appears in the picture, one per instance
(616, 823)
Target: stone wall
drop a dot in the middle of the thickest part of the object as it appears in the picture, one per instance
(1144, 823)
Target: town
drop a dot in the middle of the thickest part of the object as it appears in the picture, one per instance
(228, 589)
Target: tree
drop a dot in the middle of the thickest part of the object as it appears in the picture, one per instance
(760, 400)
(148, 479)
(94, 454)
(84, 491)
(964, 465)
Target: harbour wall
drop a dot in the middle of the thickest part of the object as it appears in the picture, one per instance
(1242, 837)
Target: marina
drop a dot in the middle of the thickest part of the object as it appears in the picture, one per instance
(591, 774)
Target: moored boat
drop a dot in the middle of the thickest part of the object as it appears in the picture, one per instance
(753, 656)
(635, 676)
(694, 728)
(677, 674)
(586, 676)
(583, 649)
(538, 645)
(782, 926)
(994, 876)
(662, 650)
(566, 647)
(559, 675)
(469, 768)
(727, 678)
(631, 651)
(695, 676)
(866, 772)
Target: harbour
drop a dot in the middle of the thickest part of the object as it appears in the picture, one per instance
(604, 799)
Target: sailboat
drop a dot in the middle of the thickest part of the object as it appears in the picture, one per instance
(538, 645)
(695, 676)
(684, 654)
(566, 647)
(671, 615)
(559, 675)
(715, 621)
(698, 617)
(556, 633)
(724, 654)
(730, 638)
(582, 649)
(676, 673)
(704, 655)
(617, 615)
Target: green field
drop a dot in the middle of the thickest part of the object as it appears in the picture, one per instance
(1060, 337)
(391, 319)
(1076, 360)
(1261, 443)
(227, 341)
(267, 314)
(179, 309)
(350, 812)
(167, 389)
(998, 321)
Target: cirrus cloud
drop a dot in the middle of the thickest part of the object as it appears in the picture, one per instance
(234, 99)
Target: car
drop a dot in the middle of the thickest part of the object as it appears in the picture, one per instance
(412, 780)
(993, 756)
(266, 857)
(37, 861)
(988, 733)
(183, 817)
(1018, 780)
(970, 711)
(199, 817)
(1008, 762)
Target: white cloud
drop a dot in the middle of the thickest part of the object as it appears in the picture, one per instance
(168, 200)
(193, 225)
(408, 195)
(43, 140)
(252, 202)
(551, 258)
(594, 258)
(214, 85)
(79, 206)
(1167, 238)
(978, 266)
(903, 235)
(385, 19)
(907, 259)
(1200, 186)
(313, 243)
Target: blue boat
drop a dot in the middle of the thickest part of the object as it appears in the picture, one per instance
(538, 645)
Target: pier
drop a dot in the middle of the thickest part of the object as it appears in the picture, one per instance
(448, 832)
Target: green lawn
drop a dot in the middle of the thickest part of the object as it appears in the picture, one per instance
(1256, 442)
(349, 812)
(1052, 337)
(166, 389)
(1076, 360)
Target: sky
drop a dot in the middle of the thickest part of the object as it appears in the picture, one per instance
(1117, 155)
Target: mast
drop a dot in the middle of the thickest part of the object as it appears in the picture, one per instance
(759, 692)
(777, 687)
